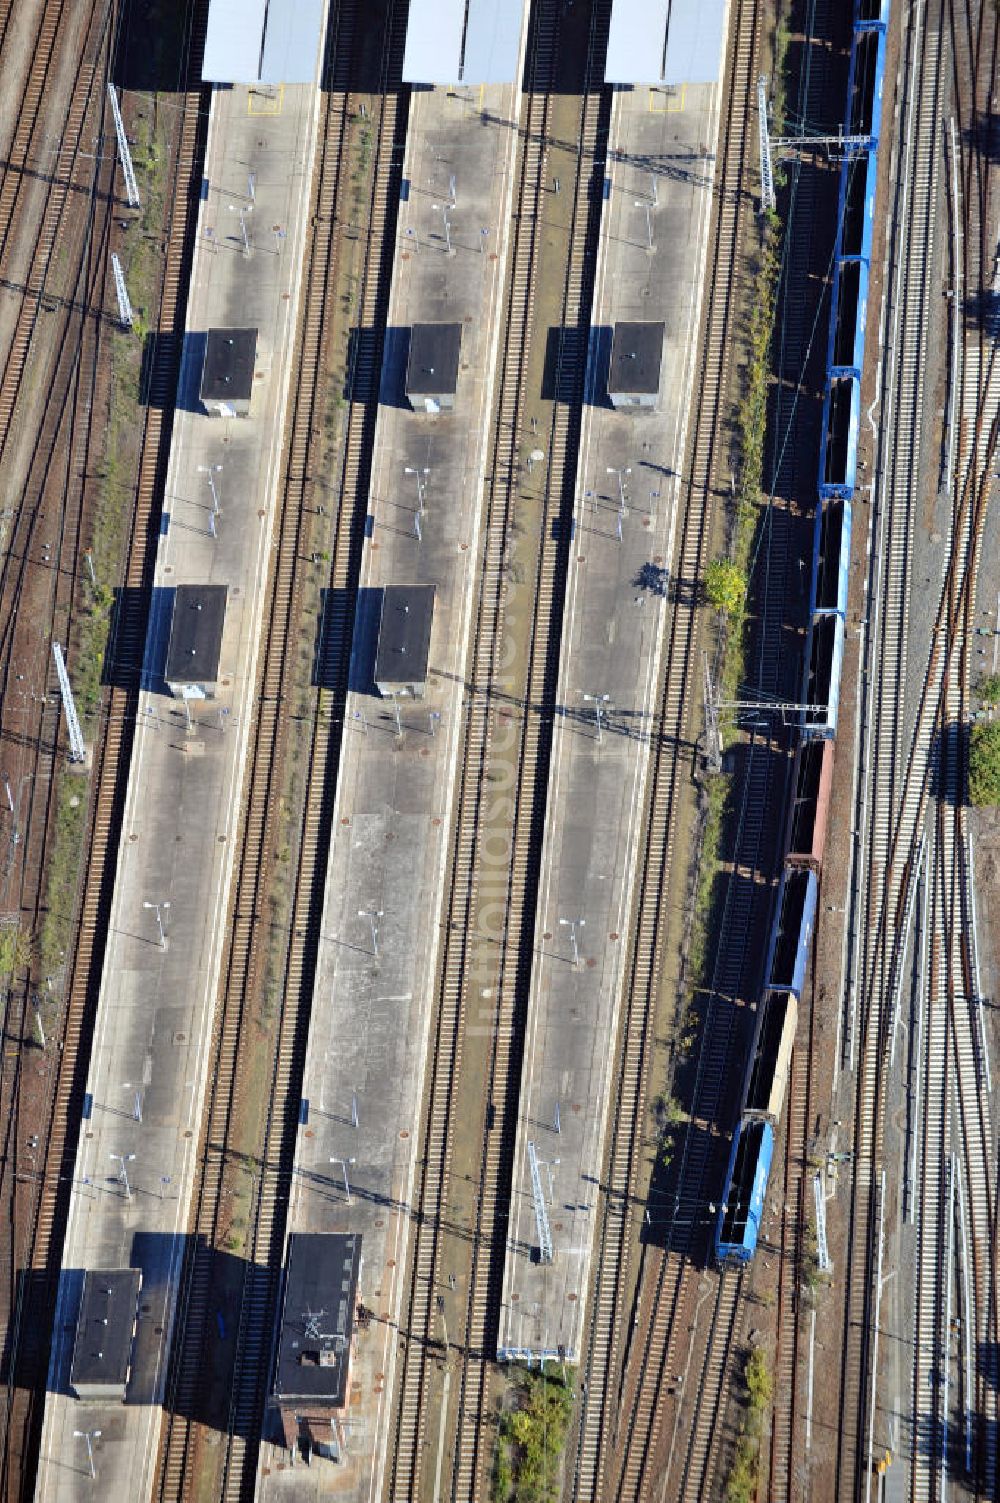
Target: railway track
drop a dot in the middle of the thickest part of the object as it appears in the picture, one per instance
(632, 1365)
(44, 1188)
(958, 1224)
(290, 607)
(798, 342)
(38, 603)
(46, 586)
(56, 227)
(954, 1112)
(717, 1360)
(527, 739)
(29, 108)
(891, 823)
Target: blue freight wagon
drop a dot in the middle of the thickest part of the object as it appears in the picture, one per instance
(831, 563)
(794, 918)
(871, 13)
(838, 462)
(848, 318)
(856, 206)
(743, 1195)
(864, 89)
(824, 669)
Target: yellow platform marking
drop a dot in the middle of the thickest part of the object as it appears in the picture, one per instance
(464, 96)
(667, 101)
(265, 99)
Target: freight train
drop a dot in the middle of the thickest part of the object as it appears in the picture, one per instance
(749, 1165)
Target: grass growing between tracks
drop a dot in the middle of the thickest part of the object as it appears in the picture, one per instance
(715, 808)
(316, 541)
(532, 1439)
(109, 509)
(744, 1475)
(15, 948)
(726, 586)
(62, 872)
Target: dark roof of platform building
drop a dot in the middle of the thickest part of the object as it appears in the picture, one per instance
(317, 1317)
(433, 363)
(227, 375)
(196, 634)
(404, 637)
(103, 1347)
(636, 352)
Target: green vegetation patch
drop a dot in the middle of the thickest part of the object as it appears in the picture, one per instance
(15, 949)
(110, 513)
(717, 806)
(984, 763)
(744, 1474)
(988, 688)
(725, 586)
(65, 842)
(532, 1439)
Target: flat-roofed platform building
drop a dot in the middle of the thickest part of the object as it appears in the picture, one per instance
(105, 1330)
(264, 41)
(315, 1343)
(463, 41)
(195, 646)
(404, 640)
(636, 357)
(227, 374)
(432, 367)
(665, 43)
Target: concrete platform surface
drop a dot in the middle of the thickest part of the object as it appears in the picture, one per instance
(374, 991)
(150, 1053)
(611, 663)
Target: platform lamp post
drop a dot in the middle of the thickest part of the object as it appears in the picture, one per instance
(89, 1436)
(641, 203)
(372, 915)
(442, 209)
(347, 1184)
(243, 212)
(623, 473)
(211, 470)
(421, 478)
(123, 1159)
(550, 1164)
(600, 703)
(572, 924)
(159, 910)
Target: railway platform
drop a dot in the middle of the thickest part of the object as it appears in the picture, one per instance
(360, 1117)
(652, 254)
(135, 1161)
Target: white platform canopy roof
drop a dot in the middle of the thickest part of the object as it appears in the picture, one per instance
(463, 41)
(264, 41)
(666, 42)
